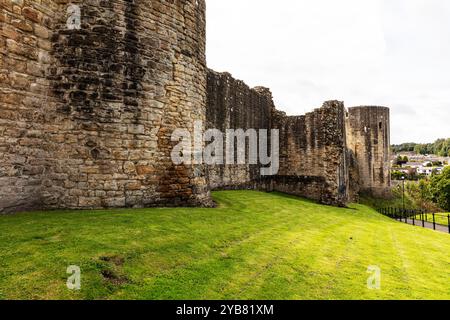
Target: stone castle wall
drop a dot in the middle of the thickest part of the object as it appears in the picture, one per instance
(87, 114)
(231, 104)
(27, 125)
(313, 154)
(313, 157)
(368, 142)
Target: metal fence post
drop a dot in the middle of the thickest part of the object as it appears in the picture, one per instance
(448, 217)
(434, 221)
(423, 220)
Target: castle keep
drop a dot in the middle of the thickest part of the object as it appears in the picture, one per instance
(88, 107)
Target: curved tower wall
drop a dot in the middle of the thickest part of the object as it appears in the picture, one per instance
(87, 112)
(368, 141)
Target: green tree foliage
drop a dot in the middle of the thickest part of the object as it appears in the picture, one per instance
(405, 147)
(440, 189)
(440, 147)
(424, 193)
(401, 160)
(396, 175)
(418, 195)
(411, 175)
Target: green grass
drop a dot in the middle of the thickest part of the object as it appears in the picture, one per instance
(440, 218)
(254, 246)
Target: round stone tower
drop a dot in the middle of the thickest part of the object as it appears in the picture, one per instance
(94, 91)
(368, 139)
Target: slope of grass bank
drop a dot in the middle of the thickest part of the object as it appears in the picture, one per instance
(411, 198)
(394, 201)
(254, 246)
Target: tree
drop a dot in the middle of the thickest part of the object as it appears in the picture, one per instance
(401, 160)
(412, 174)
(440, 147)
(440, 189)
(396, 175)
(405, 147)
(424, 192)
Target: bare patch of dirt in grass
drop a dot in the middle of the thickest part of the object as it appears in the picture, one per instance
(112, 270)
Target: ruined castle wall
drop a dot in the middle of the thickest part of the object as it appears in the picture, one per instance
(231, 104)
(312, 147)
(313, 156)
(26, 124)
(368, 141)
(87, 114)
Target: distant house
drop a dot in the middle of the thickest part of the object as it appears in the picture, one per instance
(425, 170)
(429, 170)
(439, 170)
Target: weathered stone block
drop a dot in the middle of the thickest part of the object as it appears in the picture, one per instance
(31, 14)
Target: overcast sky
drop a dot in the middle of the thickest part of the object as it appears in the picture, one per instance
(394, 53)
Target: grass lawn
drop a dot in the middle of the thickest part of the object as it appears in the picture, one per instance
(254, 246)
(440, 218)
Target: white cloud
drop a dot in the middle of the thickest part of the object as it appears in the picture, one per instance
(372, 52)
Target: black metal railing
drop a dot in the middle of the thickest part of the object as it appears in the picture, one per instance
(418, 217)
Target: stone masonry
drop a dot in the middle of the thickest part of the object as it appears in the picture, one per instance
(231, 104)
(314, 159)
(369, 143)
(88, 108)
(86, 115)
